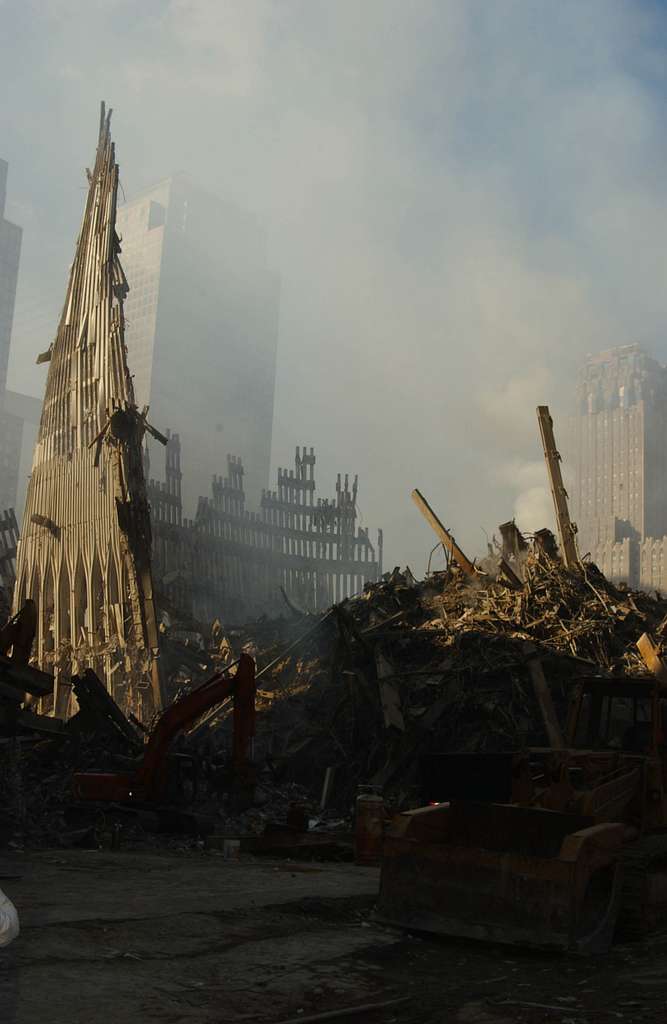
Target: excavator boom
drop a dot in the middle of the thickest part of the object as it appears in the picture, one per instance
(148, 781)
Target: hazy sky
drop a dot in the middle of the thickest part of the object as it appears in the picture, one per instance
(463, 198)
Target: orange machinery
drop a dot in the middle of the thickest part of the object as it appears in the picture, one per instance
(147, 783)
(566, 844)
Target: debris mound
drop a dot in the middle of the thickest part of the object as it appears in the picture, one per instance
(444, 664)
(359, 695)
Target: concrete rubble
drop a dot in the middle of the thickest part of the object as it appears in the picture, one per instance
(360, 695)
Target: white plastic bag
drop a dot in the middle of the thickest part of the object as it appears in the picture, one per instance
(9, 920)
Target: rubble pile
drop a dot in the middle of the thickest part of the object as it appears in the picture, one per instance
(356, 696)
(440, 665)
(37, 807)
(36, 790)
(191, 651)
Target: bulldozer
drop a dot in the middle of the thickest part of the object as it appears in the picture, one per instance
(543, 847)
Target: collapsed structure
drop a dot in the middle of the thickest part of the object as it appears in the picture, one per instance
(84, 552)
(439, 695)
(229, 562)
(84, 556)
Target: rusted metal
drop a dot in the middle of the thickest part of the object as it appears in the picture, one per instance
(148, 782)
(542, 865)
(504, 874)
(445, 537)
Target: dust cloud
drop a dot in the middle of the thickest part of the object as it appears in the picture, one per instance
(463, 198)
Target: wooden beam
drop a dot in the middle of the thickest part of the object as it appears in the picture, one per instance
(446, 539)
(566, 529)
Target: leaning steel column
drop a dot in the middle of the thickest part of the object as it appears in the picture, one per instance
(566, 528)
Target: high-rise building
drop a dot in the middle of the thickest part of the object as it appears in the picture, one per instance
(25, 412)
(11, 426)
(10, 253)
(620, 500)
(202, 328)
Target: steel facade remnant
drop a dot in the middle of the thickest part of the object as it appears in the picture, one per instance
(84, 552)
(229, 562)
(566, 528)
(9, 537)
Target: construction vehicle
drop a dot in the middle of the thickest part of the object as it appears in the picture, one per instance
(549, 848)
(147, 783)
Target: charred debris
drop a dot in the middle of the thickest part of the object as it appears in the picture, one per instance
(480, 657)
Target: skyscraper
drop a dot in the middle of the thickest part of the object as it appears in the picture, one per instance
(11, 426)
(620, 500)
(202, 327)
(10, 252)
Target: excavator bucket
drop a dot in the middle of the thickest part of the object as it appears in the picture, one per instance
(503, 873)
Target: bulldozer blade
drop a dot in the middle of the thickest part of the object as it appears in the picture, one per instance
(502, 873)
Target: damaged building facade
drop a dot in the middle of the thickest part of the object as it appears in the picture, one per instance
(620, 498)
(84, 552)
(232, 563)
(93, 528)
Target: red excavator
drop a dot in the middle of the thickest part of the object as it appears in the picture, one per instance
(545, 847)
(147, 782)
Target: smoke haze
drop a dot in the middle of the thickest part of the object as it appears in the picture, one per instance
(463, 198)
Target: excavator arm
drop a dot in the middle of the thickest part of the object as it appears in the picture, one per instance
(148, 781)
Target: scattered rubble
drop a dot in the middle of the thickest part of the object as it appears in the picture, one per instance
(442, 665)
(360, 694)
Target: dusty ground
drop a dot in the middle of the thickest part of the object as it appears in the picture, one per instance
(109, 938)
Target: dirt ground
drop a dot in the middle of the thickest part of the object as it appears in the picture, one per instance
(189, 938)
